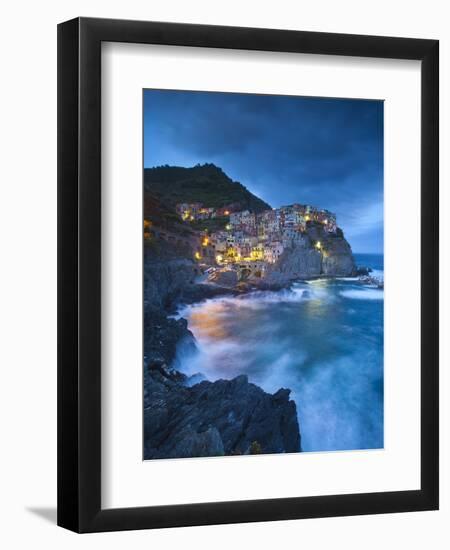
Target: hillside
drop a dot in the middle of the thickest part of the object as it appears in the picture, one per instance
(163, 215)
(207, 184)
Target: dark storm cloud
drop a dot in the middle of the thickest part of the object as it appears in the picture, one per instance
(326, 152)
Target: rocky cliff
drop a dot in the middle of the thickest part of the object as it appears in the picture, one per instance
(317, 253)
(166, 280)
(170, 281)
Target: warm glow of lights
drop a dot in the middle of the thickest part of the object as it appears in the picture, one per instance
(147, 234)
(219, 258)
(205, 241)
(228, 226)
(227, 213)
(192, 218)
(325, 222)
(256, 255)
(318, 245)
(147, 224)
(198, 256)
(307, 218)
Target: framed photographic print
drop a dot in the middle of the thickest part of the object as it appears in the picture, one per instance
(248, 275)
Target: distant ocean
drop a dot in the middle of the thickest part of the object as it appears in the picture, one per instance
(323, 339)
(374, 261)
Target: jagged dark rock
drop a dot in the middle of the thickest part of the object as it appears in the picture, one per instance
(165, 281)
(162, 335)
(170, 279)
(361, 271)
(215, 418)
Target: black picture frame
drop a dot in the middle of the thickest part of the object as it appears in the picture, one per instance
(79, 274)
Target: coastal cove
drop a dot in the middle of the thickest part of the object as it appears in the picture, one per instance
(300, 367)
(322, 339)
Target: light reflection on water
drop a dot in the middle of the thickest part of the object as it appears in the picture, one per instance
(323, 345)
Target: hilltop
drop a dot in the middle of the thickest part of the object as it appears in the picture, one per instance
(207, 184)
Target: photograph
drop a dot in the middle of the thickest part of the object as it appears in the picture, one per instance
(263, 274)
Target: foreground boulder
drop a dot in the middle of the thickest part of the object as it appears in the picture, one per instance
(226, 417)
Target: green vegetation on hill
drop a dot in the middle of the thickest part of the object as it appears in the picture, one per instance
(162, 215)
(207, 184)
(212, 225)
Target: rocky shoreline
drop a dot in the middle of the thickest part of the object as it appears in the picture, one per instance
(186, 419)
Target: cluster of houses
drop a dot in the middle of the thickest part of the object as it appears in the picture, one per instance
(262, 237)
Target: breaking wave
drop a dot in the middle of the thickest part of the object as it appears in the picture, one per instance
(258, 299)
(307, 339)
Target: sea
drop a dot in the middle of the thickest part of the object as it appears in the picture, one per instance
(323, 339)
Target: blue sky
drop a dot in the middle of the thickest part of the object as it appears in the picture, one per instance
(320, 151)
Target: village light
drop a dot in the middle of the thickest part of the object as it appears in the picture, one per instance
(227, 213)
(318, 245)
(198, 256)
(219, 258)
(205, 241)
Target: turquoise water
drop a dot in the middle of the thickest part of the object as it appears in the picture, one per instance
(323, 339)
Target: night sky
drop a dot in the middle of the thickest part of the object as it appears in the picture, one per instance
(318, 151)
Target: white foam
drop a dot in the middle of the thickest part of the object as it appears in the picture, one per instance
(256, 300)
(363, 294)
